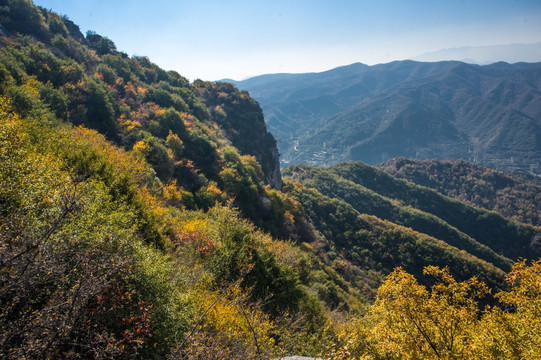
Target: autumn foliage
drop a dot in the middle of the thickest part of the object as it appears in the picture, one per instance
(141, 217)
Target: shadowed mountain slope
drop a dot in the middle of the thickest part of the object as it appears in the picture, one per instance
(446, 110)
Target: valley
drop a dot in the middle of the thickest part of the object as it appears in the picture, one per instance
(443, 110)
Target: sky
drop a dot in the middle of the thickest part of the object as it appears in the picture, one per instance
(236, 39)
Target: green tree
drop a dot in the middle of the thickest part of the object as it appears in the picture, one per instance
(102, 45)
(55, 99)
(176, 145)
(97, 107)
(109, 75)
(170, 120)
(22, 16)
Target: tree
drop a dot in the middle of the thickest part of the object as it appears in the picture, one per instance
(169, 120)
(79, 277)
(102, 45)
(514, 334)
(22, 16)
(413, 322)
(176, 145)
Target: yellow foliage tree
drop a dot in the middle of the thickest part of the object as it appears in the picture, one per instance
(411, 322)
(514, 334)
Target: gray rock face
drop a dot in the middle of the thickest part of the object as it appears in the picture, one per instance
(274, 176)
(242, 122)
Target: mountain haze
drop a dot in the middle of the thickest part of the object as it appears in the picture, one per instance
(484, 55)
(447, 110)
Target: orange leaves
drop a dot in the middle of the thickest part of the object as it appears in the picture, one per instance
(130, 90)
(172, 193)
(129, 125)
(142, 91)
(158, 110)
(195, 234)
(214, 190)
(98, 76)
(124, 315)
(289, 216)
(223, 95)
(189, 120)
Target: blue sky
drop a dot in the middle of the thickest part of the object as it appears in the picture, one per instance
(216, 39)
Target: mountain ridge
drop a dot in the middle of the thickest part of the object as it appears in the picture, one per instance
(484, 55)
(513, 195)
(493, 111)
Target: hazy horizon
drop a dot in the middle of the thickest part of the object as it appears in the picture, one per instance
(215, 40)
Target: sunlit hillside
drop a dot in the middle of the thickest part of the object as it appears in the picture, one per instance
(144, 216)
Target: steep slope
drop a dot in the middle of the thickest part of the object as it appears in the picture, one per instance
(447, 110)
(241, 120)
(514, 196)
(506, 237)
(366, 201)
(178, 127)
(370, 191)
(138, 218)
(364, 248)
(125, 193)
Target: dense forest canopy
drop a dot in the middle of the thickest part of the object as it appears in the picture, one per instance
(516, 196)
(144, 216)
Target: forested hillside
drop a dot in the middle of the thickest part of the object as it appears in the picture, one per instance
(125, 192)
(367, 190)
(143, 216)
(512, 195)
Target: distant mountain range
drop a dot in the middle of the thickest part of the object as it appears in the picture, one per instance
(484, 55)
(446, 110)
